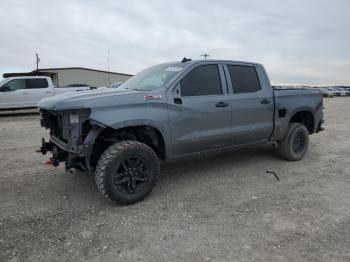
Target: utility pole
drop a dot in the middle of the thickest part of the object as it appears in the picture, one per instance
(109, 77)
(205, 56)
(37, 60)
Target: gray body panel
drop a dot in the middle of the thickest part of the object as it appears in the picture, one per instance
(197, 125)
(293, 101)
(252, 122)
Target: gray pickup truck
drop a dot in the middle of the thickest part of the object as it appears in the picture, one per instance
(175, 110)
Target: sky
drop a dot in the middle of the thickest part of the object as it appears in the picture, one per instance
(299, 42)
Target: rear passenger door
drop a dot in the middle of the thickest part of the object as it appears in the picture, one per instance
(199, 111)
(37, 89)
(252, 104)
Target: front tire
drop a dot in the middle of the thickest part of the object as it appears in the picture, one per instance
(126, 172)
(294, 145)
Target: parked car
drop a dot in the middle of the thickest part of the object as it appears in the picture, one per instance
(337, 91)
(27, 91)
(326, 92)
(342, 91)
(171, 111)
(334, 91)
(331, 91)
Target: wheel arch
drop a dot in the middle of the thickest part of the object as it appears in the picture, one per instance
(147, 134)
(304, 116)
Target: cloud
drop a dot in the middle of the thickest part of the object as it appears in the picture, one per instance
(299, 42)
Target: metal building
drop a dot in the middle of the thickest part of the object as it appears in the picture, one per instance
(76, 75)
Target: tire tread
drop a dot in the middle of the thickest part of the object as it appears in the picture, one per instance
(284, 145)
(105, 161)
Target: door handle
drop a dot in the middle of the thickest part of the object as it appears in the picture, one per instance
(265, 101)
(25, 93)
(178, 101)
(221, 104)
(48, 92)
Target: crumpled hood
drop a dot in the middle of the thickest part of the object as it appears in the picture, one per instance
(85, 99)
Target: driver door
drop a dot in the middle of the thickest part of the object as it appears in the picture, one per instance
(13, 94)
(200, 111)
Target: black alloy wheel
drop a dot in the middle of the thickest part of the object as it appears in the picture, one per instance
(132, 174)
(298, 144)
(126, 172)
(295, 143)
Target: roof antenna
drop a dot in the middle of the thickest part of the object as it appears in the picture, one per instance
(205, 56)
(184, 60)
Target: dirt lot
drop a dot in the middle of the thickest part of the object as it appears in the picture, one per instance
(221, 208)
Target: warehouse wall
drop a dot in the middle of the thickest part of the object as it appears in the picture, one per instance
(80, 76)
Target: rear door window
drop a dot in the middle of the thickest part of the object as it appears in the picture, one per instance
(244, 79)
(201, 81)
(36, 83)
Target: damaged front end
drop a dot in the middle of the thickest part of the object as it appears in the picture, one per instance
(72, 137)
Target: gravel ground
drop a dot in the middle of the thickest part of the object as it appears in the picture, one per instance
(222, 208)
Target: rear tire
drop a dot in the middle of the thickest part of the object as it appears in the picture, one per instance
(126, 172)
(294, 145)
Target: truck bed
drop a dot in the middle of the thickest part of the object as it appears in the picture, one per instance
(290, 100)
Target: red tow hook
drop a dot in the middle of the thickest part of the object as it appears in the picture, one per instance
(52, 162)
(49, 162)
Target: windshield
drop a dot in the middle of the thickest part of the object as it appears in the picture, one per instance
(152, 78)
(3, 81)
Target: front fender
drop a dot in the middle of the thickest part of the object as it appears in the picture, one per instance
(152, 114)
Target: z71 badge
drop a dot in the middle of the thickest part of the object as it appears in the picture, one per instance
(158, 97)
